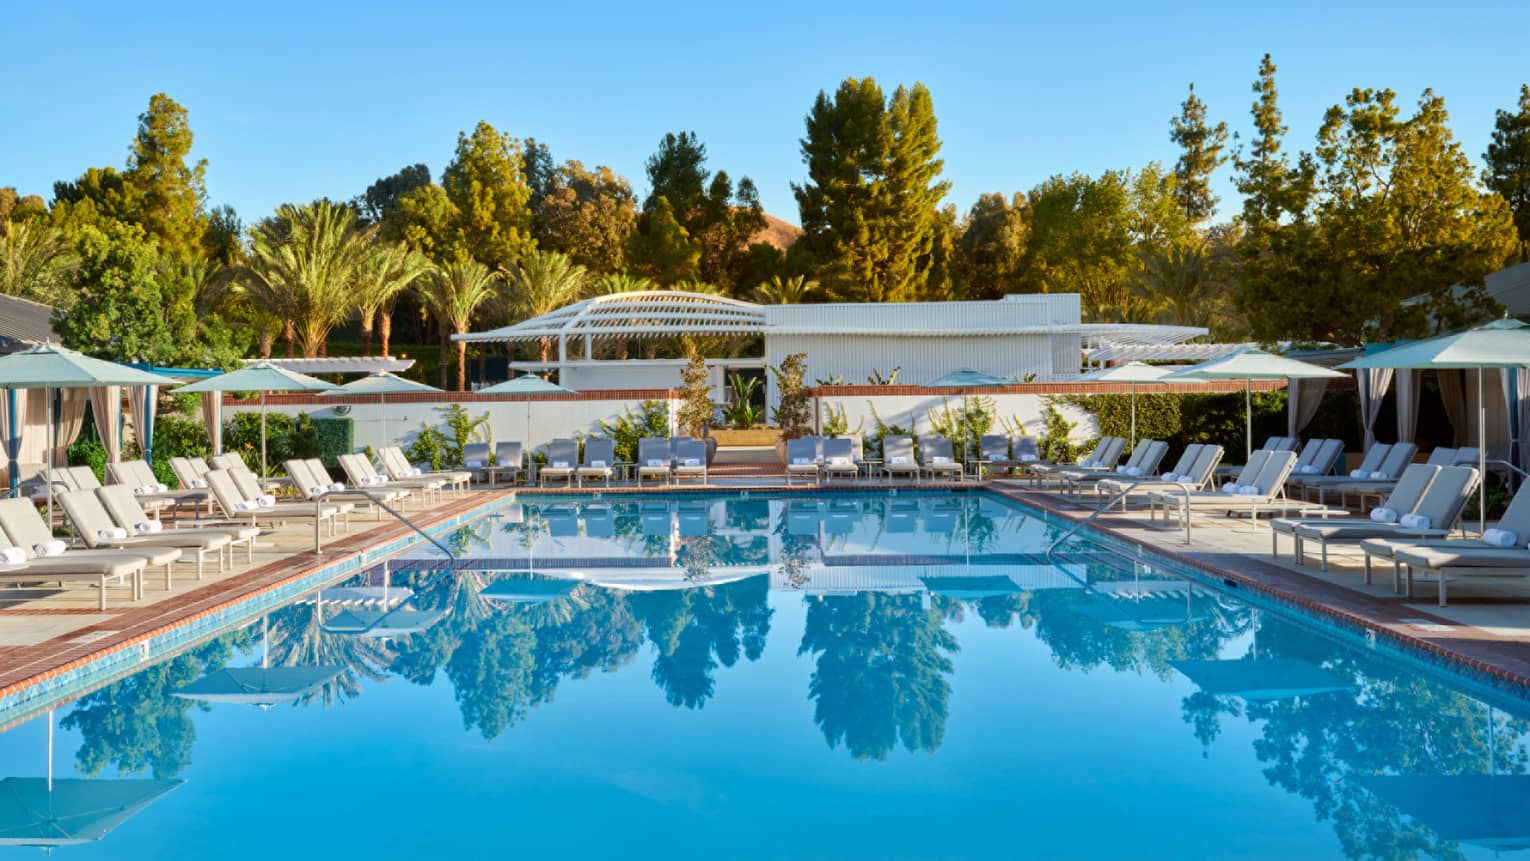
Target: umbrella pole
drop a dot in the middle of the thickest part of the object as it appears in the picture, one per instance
(262, 434)
(382, 411)
(1248, 419)
(52, 451)
(1134, 416)
(50, 749)
(1481, 460)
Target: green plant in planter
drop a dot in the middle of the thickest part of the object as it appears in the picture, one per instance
(872, 444)
(429, 446)
(837, 422)
(742, 414)
(695, 415)
(461, 429)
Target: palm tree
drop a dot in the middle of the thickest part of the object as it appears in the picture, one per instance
(542, 282)
(387, 270)
(786, 291)
(1177, 279)
(304, 265)
(35, 260)
(453, 293)
(612, 284)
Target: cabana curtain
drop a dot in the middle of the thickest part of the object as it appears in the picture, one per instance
(1408, 384)
(1303, 397)
(142, 410)
(1373, 383)
(212, 417)
(105, 410)
(69, 420)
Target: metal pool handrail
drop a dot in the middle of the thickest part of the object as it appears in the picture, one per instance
(1134, 488)
(385, 507)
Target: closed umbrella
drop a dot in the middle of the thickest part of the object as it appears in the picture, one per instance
(50, 367)
(527, 384)
(1499, 344)
(1136, 374)
(1249, 365)
(381, 384)
(263, 377)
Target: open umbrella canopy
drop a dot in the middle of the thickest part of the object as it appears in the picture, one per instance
(1137, 372)
(1261, 679)
(383, 625)
(972, 588)
(1253, 364)
(1484, 809)
(258, 686)
(73, 811)
(1499, 344)
(259, 377)
(516, 590)
(53, 367)
(526, 384)
(383, 383)
(967, 378)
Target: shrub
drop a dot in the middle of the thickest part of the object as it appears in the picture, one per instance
(965, 425)
(1181, 420)
(650, 420)
(794, 414)
(336, 437)
(1055, 443)
(872, 444)
(179, 436)
(461, 429)
(429, 446)
(87, 450)
(743, 413)
(287, 437)
(837, 422)
(1158, 415)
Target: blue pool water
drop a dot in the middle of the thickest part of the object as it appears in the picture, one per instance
(858, 676)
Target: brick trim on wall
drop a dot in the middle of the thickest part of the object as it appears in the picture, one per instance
(452, 398)
(1082, 388)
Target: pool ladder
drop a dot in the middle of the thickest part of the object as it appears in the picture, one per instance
(397, 515)
(1136, 487)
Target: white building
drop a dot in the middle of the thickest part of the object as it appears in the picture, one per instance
(1025, 336)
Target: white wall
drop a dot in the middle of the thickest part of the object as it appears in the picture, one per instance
(549, 418)
(912, 411)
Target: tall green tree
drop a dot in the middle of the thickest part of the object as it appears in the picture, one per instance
(1081, 239)
(169, 194)
(660, 249)
(120, 311)
(381, 198)
(487, 188)
(869, 204)
(1201, 147)
(718, 216)
(35, 261)
(1508, 165)
(990, 252)
(389, 268)
(587, 215)
(454, 292)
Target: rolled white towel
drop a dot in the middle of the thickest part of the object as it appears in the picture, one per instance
(148, 527)
(1415, 521)
(1134, 471)
(315, 492)
(993, 457)
(1358, 473)
(560, 464)
(1306, 469)
(655, 463)
(1379, 476)
(691, 461)
(1384, 515)
(245, 506)
(1232, 487)
(337, 488)
(265, 500)
(1170, 476)
(140, 490)
(1499, 538)
(839, 461)
(1028, 458)
(161, 487)
(1123, 469)
(1249, 490)
(13, 556)
(475, 464)
(197, 484)
(597, 464)
(114, 533)
(52, 547)
(416, 472)
(800, 461)
(898, 461)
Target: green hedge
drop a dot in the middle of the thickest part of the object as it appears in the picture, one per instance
(1184, 419)
(336, 436)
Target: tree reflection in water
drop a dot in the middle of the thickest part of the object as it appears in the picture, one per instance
(694, 631)
(882, 670)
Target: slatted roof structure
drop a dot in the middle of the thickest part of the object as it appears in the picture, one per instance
(341, 364)
(640, 314)
(24, 323)
(1126, 349)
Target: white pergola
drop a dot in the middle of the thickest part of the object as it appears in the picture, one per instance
(640, 314)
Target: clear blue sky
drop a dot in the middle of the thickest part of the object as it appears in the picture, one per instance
(291, 101)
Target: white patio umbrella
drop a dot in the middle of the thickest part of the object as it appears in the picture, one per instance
(527, 384)
(1499, 344)
(50, 367)
(1136, 374)
(1249, 365)
(262, 377)
(381, 384)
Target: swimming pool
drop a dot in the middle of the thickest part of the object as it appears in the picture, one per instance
(774, 675)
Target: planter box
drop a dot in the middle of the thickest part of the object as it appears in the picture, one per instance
(750, 437)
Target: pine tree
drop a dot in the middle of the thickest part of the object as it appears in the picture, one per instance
(488, 190)
(1200, 155)
(1508, 165)
(717, 215)
(869, 205)
(660, 249)
(169, 195)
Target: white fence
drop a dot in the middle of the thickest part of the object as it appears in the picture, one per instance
(913, 411)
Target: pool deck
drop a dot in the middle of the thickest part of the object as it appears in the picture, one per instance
(45, 632)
